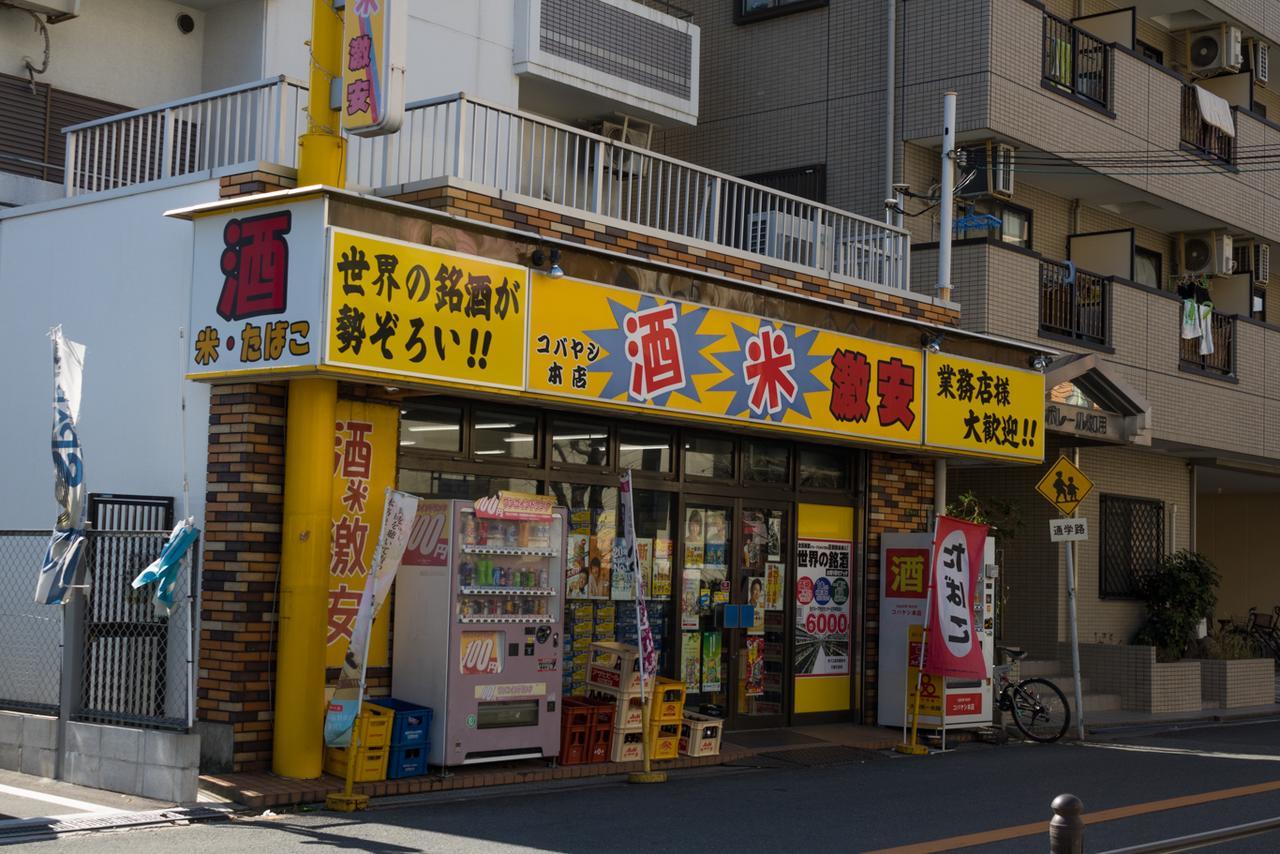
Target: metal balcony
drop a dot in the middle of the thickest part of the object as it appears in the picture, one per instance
(1077, 63)
(1074, 304)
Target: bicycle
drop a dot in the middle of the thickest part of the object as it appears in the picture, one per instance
(1039, 707)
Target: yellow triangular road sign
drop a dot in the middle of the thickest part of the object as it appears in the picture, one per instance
(1064, 486)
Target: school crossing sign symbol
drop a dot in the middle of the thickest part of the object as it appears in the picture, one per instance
(1064, 486)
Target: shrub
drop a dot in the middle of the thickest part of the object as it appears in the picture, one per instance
(1178, 595)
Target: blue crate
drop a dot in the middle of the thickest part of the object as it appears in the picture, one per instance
(408, 761)
(412, 724)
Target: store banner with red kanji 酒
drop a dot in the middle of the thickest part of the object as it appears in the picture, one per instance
(953, 647)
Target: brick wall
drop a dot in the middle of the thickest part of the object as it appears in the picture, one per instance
(241, 562)
(900, 498)
(649, 247)
(261, 180)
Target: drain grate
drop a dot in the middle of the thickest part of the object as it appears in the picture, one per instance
(812, 757)
(34, 829)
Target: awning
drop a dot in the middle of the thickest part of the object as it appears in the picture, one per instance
(1085, 398)
(1216, 110)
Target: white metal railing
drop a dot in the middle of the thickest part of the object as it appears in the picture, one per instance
(521, 155)
(252, 122)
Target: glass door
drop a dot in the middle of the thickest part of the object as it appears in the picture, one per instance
(704, 582)
(758, 648)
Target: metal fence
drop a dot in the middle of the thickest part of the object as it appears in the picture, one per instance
(133, 664)
(1222, 361)
(246, 124)
(1074, 307)
(526, 156)
(1211, 141)
(1076, 62)
(30, 634)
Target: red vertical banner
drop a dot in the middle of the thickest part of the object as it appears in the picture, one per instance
(953, 648)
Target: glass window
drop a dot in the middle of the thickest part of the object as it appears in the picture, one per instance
(590, 614)
(750, 10)
(468, 487)
(579, 443)
(1016, 227)
(706, 457)
(1146, 267)
(1132, 544)
(767, 462)
(431, 427)
(504, 436)
(824, 468)
(644, 450)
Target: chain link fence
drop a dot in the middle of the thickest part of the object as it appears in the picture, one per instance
(134, 662)
(30, 634)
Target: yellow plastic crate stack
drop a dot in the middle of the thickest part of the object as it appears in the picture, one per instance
(666, 709)
(372, 733)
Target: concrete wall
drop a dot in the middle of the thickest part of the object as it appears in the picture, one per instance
(116, 274)
(127, 51)
(1230, 532)
(234, 44)
(163, 766)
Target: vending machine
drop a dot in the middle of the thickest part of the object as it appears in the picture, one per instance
(478, 627)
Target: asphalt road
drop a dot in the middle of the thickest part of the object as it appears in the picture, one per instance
(936, 803)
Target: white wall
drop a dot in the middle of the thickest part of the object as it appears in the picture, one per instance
(233, 44)
(126, 51)
(284, 49)
(117, 275)
(462, 47)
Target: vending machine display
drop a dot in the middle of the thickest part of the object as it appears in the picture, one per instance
(478, 630)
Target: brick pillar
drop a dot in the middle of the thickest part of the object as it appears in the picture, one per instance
(241, 563)
(262, 180)
(899, 499)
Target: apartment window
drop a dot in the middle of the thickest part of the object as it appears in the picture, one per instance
(807, 182)
(1258, 308)
(1015, 222)
(1147, 267)
(1154, 54)
(1132, 544)
(745, 11)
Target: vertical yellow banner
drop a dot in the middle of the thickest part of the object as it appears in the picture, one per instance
(823, 682)
(365, 442)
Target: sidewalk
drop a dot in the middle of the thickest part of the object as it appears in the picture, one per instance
(1118, 719)
(262, 790)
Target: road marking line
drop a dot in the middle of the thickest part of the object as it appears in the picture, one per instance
(32, 795)
(1002, 834)
(1184, 751)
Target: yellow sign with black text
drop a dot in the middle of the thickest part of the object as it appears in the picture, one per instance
(412, 310)
(984, 409)
(602, 344)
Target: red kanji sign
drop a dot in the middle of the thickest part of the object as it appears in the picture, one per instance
(653, 349)
(767, 371)
(256, 265)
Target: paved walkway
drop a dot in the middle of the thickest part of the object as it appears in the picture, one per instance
(261, 790)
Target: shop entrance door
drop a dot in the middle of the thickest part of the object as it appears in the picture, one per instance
(736, 552)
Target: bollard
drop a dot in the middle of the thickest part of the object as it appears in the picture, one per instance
(1066, 829)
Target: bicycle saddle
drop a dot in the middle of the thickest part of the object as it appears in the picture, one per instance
(1013, 652)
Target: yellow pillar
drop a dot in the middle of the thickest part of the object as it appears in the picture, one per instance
(321, 152)
(304, 579)
(298, 739)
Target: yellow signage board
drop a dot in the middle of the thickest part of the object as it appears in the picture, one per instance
(983, 408)
(411, 310)
(1064, 486)
(366, 439)
(601, 344)
(931, 687)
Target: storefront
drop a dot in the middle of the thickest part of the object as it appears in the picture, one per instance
(772, 436)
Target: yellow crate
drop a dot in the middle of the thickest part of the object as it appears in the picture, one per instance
(664, 741)
(700, 735)
(373, 726)
(667, 703)
(371, 763)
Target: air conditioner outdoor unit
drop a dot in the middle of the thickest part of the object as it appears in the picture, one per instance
(1261, 262)
(1215, 49)
(1205, 253)
(787, 237)
(53, 10)
(993, 163)
(623, 163)
(1260, 60)
(1252, 257)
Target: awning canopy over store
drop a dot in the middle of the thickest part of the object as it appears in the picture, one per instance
(1085, 398)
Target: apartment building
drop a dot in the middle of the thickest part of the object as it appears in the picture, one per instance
(1114, 158)
(530, 151)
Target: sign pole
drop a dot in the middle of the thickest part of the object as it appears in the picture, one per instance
(912, 747)
(1075, 629)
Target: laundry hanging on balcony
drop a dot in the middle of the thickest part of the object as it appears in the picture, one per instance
(1216, 110)
(1206, 328)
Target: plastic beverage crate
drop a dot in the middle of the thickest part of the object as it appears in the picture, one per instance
(373, 725)
(700, 735)
(615, 666)
(627, 746)
(412, 724)
(600, 738)
(667, 703)
(371, 763)
(629, 714)
(575, 731)
(408, 761)
(664, 741)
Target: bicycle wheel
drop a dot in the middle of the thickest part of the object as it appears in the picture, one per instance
(1040, 710)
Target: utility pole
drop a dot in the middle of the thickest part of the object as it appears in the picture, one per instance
(946, 201)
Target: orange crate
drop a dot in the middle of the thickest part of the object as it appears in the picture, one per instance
(575, 731)
(667, 704)
(627, 746)
(700, 735)
(664, 741)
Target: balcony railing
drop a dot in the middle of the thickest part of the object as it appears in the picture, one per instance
(1074, 306)
(250, 123)
(1222, 361)
(532, 159)
(1076, 62)
(1209, 140)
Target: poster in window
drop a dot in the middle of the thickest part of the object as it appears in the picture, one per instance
(622, 580)
(691, 660)
(822, 607)
(755, 597)
(577, 569)
(711, 648)
(694, 538)
(715, 539)
(775, 535)
(774, 573)
(661, 568)
(755, 665)
(754, 540)
(690, 596)
(644, 561)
